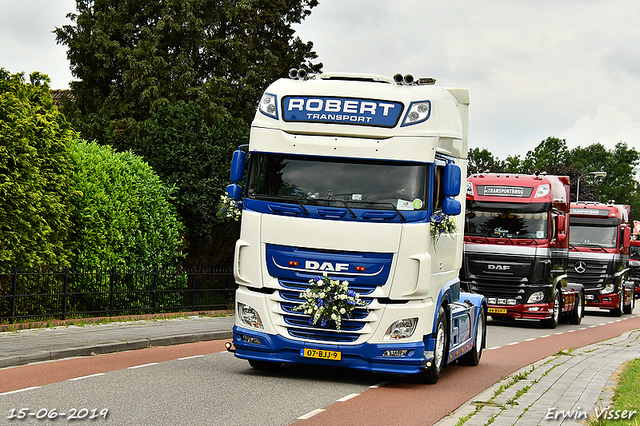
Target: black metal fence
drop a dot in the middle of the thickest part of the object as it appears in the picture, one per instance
(76, 293)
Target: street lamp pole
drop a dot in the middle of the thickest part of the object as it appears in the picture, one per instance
(598, 174)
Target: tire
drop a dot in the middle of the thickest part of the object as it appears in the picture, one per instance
(578, 311)
(440, 352)
(617, 312)
(555, 318)
(473, 358)
(628, 309)
(264, 365)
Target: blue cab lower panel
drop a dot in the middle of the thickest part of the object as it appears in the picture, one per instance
(366, 356)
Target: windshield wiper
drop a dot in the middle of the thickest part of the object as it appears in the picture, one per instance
(353, 215)
(304, 209)
(397, 211)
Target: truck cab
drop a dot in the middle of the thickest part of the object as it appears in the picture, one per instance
(516, 247)
(634, 265)
(600, 239)
(354, 182)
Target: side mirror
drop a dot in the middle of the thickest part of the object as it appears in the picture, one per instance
(626, 237)
(451, 206)
(561, 237)
(561, 223)
(452, 180)
(238, 163)
(234, 191)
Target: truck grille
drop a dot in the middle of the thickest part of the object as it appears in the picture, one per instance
(299, 324)
(499, 276)
(295, 266)
(493, 287)
(594, 276)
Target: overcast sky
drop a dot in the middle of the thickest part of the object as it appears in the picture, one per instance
(534, 69)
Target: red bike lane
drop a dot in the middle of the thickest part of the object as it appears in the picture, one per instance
(417, 404)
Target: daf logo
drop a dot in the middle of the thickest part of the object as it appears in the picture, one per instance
(499, 267)
(326, 266)
(580, 267)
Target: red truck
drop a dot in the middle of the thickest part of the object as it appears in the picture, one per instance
(600, 238)
(634, 266)
(516, 250)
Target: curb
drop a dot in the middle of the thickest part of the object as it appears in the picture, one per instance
(99, 320)
(113, 347)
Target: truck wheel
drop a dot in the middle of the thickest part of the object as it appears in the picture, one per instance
(433, 373)
(617, 312)
(264, 365)
(473, 358)
(628, 309)
(555, 317)
(578, 310)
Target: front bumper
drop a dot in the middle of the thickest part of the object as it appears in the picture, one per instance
(366, 356)
(603, 301)
(529, 311)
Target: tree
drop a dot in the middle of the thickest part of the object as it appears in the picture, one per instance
(195, 157)
(513, 164)
(550, 152)
(482, 161)
(132, 57)
(620, 184)
(34, 174)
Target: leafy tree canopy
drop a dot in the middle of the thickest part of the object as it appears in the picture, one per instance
(195, 157)
(132, 57)
(34, 174)
(481, 161)
(553, 156)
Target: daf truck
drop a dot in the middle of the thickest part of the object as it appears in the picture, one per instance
(516, 250)
(354, 182)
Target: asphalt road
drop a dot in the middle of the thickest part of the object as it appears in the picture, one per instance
(201, 383)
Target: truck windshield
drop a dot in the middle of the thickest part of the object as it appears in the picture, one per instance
(507, 224)
(336, 182)
(589, 235)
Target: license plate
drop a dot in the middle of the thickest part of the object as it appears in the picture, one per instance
(320, 354)
(589, 297)
(497, 310)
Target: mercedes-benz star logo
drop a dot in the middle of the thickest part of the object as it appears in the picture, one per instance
(580, 267)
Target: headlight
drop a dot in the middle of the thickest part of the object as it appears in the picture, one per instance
(543, 190)
(609, 288)
(469, 188)
(401, 329)
(249, 316)
(269, 105)
(536, 297)
(417, 113)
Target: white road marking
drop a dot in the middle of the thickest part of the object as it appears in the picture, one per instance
(190, 357)
(143, 365)
(311, 414)
(86, 377)
(348, 397)
(20, 390)
(377, 385)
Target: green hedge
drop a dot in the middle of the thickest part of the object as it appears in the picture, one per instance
(124, 214)
(35, 172)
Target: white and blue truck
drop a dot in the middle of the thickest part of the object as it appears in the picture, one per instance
(355, 179)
